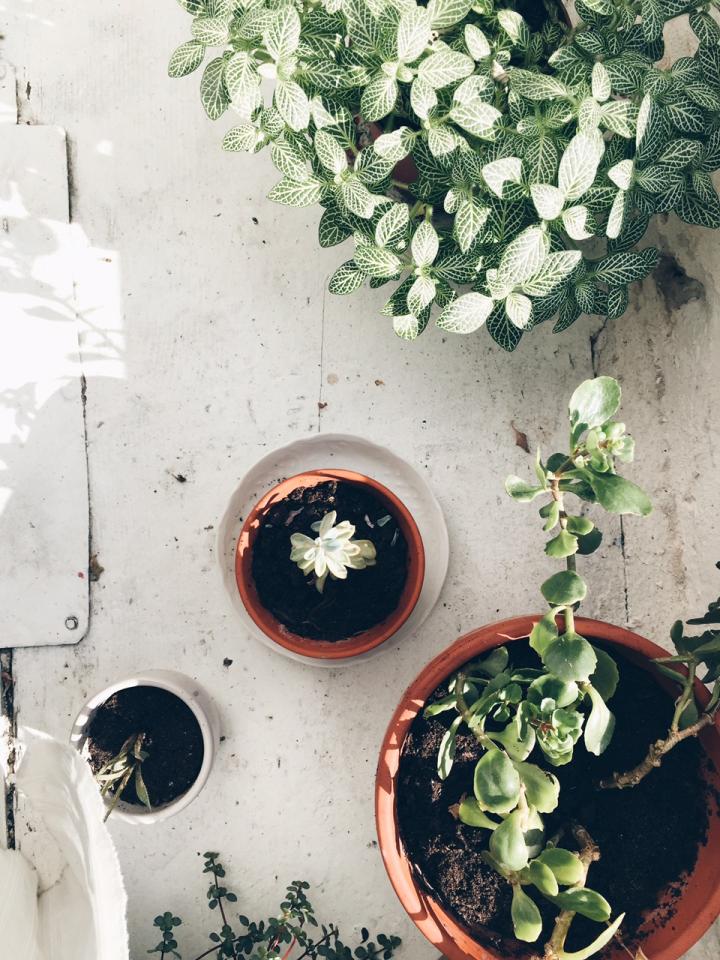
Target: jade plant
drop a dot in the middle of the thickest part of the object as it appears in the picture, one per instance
(497, 169)
(521, 714)
(115, 776)
(294, 931)
(332, 552)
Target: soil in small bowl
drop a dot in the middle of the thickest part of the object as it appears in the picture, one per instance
(345, 608)
(173, 740)
(648, 835)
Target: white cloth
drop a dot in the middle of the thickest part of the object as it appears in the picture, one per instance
(82, 915)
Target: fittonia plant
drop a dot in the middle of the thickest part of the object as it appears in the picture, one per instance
(498, 172)
(540, 713)
(333, 551)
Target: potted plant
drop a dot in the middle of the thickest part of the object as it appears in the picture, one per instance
(548, 785)
(294, 934)
(329, 564)
(534, 154)
(150, 740)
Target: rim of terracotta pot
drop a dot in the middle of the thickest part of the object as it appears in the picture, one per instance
(699, 904)
(327, 649)
(196, 698)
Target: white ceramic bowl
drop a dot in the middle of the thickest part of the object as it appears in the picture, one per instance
(196, 698)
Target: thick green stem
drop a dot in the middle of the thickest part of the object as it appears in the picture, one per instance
(589, 853)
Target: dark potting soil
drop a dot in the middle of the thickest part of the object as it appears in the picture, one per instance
(648, 835)
(345, 607)
(173, 740)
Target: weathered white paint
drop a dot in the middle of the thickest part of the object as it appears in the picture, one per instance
(43, 472)
(228, 344)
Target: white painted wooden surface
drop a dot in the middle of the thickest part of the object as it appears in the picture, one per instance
(212, 340)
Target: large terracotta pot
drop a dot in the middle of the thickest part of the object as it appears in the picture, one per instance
(362, 642)
(694, 911)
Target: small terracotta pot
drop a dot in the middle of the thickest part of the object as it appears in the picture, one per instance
(325, 649)
(666, 940)
(196, 698)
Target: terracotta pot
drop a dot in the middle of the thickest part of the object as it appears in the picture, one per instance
(196, 698)
(700, 901)
(325, 649)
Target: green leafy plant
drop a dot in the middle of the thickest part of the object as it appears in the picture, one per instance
(460, 146)
(333, 551)
(514, 713)
(115, 776)
(294, 931)
(689, 717)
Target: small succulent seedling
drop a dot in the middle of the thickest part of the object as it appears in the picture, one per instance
(126, 765)
(689, 717)
(271, 939)
(333, 551)
(514, 713)
(537, 157)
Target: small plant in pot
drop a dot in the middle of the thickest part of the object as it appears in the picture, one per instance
(329, 564)
(293, 934)
(495, 165)
(547, 787)
(150, 741)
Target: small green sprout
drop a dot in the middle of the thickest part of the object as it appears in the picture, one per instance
(275, 937)
(332, 551)
(126, 765)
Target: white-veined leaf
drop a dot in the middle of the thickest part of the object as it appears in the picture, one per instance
(240, 74)
(619, 116)
(282, 37)
(575, 222)
(477, 117)
(469, 220)
(579, 164)
(522, 258)
(548, 200)
(379, 97)
(395, 146)
(499, 172)
(211, 31)
(518, 309)
(213, 92)
(330, 153)
(466, 314)
(621, 174)
(476, 42)
(376, 261)
(601, 85)
(357, 198)
(408, 326)
(346, 279)
(514, 26)
(413, 33)
(245, 137)
(423, 98)
(294, 193)
(536, 86)
(617, 216)
(392, 224)
(554, 269)
(446, 13)
(292, 104)
(425, 244)
(445, 67)
(420, 295)
(186, 58)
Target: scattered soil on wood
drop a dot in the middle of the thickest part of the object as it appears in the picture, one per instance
(173, 740)
(345, 607)
(648, 835)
